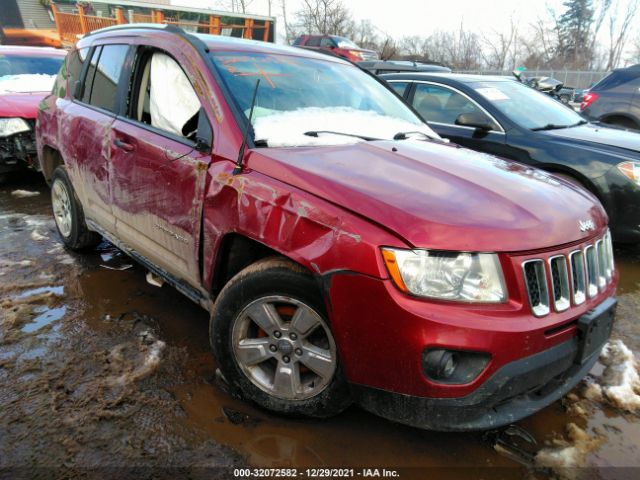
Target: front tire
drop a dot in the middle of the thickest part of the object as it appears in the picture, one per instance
(272, 341)
(68, 214)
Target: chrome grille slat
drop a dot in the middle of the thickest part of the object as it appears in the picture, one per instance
(578, 279)
(536, 281)
(559, 282)
(602, 265)
(592, 270)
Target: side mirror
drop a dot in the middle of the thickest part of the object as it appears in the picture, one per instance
(204, 135)
(476, 120)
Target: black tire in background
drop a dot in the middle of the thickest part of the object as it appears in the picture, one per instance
(277, 285)
(68, 214)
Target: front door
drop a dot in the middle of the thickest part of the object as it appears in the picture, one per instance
(157, 174)
(440, 106)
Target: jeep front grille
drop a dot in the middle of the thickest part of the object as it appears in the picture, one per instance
(562, 280)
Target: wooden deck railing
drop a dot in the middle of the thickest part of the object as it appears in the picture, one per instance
(72, 26)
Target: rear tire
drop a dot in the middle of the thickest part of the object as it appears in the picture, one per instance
(272, 341)
(68, 214)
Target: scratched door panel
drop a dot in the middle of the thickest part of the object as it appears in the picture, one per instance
(157, 189)
(87, 159)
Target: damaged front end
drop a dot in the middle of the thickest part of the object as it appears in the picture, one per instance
(17, 144)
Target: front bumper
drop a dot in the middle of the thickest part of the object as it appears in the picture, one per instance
(516, 390)
(17, 152)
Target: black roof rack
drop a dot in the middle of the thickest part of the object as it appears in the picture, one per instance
(133, 26)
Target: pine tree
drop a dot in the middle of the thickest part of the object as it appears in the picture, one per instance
(574, 33)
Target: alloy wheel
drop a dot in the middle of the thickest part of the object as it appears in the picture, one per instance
(61, 208)
(284, 347)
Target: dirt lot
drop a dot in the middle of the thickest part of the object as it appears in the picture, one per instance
(103, 375)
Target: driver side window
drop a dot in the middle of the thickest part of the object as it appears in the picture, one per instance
(164, 97)
(441, 105)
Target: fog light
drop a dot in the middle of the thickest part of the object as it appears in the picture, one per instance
(453, 367)
(440, 364)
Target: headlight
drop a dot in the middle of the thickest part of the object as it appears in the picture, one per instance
(631, 170)
(465, 277)
(11, 126)
(356, 53)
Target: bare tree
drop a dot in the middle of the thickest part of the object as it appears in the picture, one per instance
(289, 32)
(388, 49)
(328, 17)
(499, 48)
(619, 25)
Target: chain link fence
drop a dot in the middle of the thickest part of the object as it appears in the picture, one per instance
(573, 79)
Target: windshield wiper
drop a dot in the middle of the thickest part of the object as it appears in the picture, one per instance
(551, 126)
(316, 133)
(406, 135)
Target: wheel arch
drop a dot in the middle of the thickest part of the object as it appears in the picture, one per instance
(607, 118)
(50, 159)
(236, 252)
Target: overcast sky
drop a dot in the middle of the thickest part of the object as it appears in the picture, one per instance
(400, 18)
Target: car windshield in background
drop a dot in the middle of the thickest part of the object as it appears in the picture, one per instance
(23, 65)
(299, 95)
(24, 74)
(345, 43)
(526, 106)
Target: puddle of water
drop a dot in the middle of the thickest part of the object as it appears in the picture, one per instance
(46, 317)
(57, 290)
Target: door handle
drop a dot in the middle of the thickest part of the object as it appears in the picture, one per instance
(127, 147)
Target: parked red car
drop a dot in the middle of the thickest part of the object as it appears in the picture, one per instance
(340, 46)
(346, 253)
(26, 77)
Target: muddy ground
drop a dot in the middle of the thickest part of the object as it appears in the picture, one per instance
(103, 375)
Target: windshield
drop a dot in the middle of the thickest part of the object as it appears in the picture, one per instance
(345, 42)
(525, 106)
(19, 73)
(299, 95)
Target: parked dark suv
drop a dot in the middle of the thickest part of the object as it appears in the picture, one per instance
(345, 251)
(615, 99)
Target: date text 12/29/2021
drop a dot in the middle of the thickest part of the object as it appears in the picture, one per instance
(315, 473)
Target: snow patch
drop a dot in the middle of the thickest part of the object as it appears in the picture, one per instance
(26, 83)
(37, 236)
(286, 129)
(565, 456)
(619, 384)
(24, 194)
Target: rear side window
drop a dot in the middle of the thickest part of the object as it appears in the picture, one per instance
(621, 81)
(399, 87)
(91, 73)
(103, 75)
(313, 42)
(74, 63)
(299, 40)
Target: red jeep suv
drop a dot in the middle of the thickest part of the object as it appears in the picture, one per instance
(346, 253)
(340, 46)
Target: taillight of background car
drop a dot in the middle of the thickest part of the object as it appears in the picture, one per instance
(588, 99)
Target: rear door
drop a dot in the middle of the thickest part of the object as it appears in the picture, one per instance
(441, 104)
(85, 127)
(157, 173)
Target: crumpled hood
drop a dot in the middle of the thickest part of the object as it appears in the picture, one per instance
(599, 134)
(439, 196)
(24, 105)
